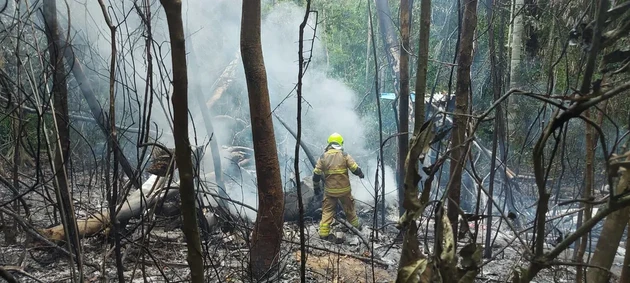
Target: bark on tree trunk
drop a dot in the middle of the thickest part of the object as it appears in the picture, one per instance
(392, 51)
(516, 42)
(615, 224)
(62, 146)
(390, 41)
(495, 82)
(412, 204)
(609, 239)
(460, 122)
(515, 58)
(267, 234)
(173, 10)
(113, 183)
(403, 100)
(17, 125)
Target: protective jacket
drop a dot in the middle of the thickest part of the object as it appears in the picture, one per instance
(333, 167)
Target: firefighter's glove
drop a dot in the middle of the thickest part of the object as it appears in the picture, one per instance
(317, 188)
(359, 173)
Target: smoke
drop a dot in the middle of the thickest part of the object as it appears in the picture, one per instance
(328, 104)
(212, 34)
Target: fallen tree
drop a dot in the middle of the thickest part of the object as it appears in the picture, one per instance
(156, 190)
(152, 191)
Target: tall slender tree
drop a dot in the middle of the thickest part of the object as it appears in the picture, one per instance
(390, 40)
(267, 235)
(516, 53)
(302, 64)
(615, 224)
(112, 187)
(403, 100)
(411, 257)
(173, 9)
(62, 145)
(496, 82)
(460, 119)
(392, 52)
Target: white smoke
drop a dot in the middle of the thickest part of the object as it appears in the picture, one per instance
(213, 31)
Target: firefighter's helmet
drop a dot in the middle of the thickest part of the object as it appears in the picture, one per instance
(335, 138)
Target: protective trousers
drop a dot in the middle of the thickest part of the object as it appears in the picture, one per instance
(329, 205)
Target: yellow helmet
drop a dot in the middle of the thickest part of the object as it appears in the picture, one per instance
(335, 138)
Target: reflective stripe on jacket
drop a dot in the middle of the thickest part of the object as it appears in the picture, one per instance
(334, 165)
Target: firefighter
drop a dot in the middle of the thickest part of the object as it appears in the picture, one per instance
(332, 167)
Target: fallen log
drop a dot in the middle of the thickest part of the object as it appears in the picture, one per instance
(147, 197)
(154, 190)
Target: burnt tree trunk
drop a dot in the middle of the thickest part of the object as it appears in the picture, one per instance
(112, 186)
(391, 46)
(412, 204)
(403, 101)
(615, 224)
(267, 234)
(62, 145)
(390, 41)
(460, 121)
(173, 9)
(498, 139)
(591, 139)
(609, 239)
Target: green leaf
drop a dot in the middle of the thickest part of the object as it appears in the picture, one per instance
(411, 272)
(448, 242)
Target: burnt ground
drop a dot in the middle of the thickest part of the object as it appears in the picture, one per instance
(164, 256)
(155, 251)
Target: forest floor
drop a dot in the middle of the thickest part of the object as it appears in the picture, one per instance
(156, 252)
(164, 256)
